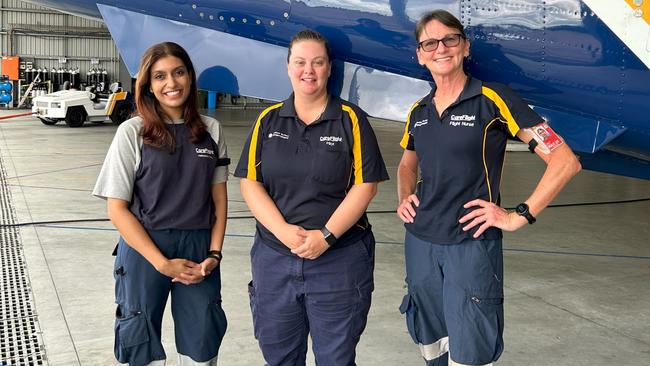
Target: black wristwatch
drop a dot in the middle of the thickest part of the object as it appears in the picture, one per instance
(329, 237)
(532, 144)
(523, 210)
(216, 254)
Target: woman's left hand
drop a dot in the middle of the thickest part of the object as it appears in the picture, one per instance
(208, 265)
(488, 214)
(314, 245)
(205, 268)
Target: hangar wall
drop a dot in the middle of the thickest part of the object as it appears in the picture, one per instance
(45, 36)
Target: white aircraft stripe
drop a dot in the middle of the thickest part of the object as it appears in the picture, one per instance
(627, 23)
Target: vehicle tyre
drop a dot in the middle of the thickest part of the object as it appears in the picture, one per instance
(75, 117)
(48, 121)
(122, 111)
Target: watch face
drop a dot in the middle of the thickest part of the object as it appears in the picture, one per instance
(522, 208)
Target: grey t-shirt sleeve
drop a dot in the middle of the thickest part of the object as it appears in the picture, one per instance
(216, 132)
(117, 176)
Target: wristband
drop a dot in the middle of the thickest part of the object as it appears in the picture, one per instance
(532, 144)
(216, 254)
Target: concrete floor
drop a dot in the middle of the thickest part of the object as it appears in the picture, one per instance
(577, 289)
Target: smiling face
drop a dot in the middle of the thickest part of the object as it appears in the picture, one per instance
(444, 61)
(170, 83)
(308, 68)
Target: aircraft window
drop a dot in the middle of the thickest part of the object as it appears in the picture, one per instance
(381, 7)
(528, 13)
(416, 8)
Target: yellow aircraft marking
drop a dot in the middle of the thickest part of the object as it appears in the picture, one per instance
(645, 8)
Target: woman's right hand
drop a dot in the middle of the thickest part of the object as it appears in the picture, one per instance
(182, 270)
(292, 236)
(406, 211)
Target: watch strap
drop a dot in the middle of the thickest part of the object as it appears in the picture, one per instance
(216, 254)
(329, 237)
(523, 210)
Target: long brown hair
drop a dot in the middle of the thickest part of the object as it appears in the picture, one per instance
(154, 131)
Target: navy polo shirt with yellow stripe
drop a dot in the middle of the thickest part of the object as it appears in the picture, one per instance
(461, 155)
(307, 169)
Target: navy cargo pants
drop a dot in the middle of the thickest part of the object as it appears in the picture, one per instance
(328, 297)
(141, 294)
(454, 305)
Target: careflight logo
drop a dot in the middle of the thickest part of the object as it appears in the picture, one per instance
(464, 120)
(204, 153)
(331, 140)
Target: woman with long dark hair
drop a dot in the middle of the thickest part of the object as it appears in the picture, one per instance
(164, 179)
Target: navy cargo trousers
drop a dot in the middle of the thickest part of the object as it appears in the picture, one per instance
(141, 294)
(328, 297)
(454, 305)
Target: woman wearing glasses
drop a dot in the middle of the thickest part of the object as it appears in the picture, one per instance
(456, 137)
(310, 167)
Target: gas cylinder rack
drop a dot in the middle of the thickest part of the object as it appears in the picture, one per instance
(6, 92)
(47, 81)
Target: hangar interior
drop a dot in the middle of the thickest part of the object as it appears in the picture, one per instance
(576, 281)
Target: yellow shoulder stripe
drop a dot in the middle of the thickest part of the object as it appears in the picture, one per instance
(405, 136)
(513, 127)
(252, 147)
(356, 145)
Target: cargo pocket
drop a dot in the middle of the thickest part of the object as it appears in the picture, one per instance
(484, 326)
(219, 322)
(253, 304)
(130, 331)
(409, 309)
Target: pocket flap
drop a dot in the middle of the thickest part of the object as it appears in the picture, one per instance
(406, 304)
(133, 330)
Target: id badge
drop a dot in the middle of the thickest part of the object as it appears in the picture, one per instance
(545, 135)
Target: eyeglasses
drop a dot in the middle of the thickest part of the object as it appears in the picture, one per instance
(431, 44)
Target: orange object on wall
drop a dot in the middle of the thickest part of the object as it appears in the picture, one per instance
(10, 66)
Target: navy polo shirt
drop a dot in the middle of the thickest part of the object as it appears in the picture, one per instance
(166, 189)
(307, 169)
(461, 155)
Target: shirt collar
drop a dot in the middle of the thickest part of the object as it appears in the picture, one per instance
(332, 111)
(472, 88)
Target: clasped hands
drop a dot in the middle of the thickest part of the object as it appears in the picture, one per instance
(308, 244)
(186, 271)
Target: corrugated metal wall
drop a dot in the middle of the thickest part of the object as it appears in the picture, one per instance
(45, 36)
